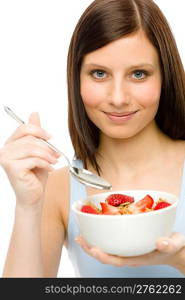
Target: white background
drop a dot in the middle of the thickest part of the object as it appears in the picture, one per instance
(34, 40)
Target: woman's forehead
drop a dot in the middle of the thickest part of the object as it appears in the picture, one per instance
(135, 49)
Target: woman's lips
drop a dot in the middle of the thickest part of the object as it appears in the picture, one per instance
(121, 117)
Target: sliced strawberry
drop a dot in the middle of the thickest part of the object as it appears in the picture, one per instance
(161, 204)
(117, 199)
(146, 202)
(109, 209)
(142, 205)
(89, 209)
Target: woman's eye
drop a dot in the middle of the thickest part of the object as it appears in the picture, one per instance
(139, 74)
(98, 74)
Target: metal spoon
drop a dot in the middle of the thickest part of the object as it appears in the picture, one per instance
(82, 175)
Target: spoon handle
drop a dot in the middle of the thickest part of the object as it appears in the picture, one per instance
(20, 121)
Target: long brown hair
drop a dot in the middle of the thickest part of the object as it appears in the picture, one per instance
(105, 21)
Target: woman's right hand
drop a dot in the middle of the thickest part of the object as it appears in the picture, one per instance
(27, 161)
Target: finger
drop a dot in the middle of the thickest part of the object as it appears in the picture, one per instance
(33, 151)
(30, 129)
(119, 261)
(106, 258)
(34, 118)
(81, 241)
(33, 142)
(32, 163)
(171, 244)
(29, 146)
(100, 255)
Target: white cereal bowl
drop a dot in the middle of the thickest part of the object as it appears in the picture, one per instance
(126, 235)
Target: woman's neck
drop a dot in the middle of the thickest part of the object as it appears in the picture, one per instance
(135, 153)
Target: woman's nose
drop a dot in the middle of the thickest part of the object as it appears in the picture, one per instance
(119, 93)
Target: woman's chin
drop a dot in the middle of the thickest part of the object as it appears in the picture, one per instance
(120, 135)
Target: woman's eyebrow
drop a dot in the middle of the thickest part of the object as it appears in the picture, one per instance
(143, 65)
(136, 66)
(95, 66)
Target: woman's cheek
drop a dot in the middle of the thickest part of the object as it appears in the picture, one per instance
(148, 95)
(92, 95)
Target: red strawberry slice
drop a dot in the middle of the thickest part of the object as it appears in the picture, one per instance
(146, 202)
(141, 205)
(161, 204)
(117, 199)
(109, 209)
(89, 209)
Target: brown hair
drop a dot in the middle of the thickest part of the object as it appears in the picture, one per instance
(105, 21)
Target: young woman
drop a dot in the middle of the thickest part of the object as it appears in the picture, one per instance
(126, 91)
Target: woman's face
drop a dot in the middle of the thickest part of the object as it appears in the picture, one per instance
(121, 85)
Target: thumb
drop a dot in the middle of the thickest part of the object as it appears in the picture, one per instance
(171, 244)
(34, 118)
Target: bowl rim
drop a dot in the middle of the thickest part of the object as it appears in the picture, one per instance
(154, 212)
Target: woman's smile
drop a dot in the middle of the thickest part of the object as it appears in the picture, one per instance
(120, 117)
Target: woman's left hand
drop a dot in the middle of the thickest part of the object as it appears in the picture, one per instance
(169, 251)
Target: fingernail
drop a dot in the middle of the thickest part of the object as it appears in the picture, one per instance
(165, 243)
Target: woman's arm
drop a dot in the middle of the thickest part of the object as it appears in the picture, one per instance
(38, 234)
(27, 162)
(55, 211)
(24, 253)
